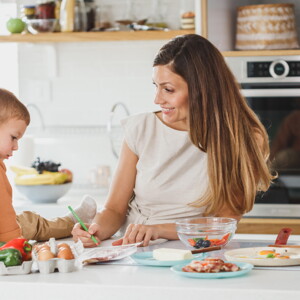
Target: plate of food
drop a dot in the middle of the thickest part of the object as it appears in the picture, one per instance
(266, 256)
(212, 268)
(165, 257)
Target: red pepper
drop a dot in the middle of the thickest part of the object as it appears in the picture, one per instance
(20, 244)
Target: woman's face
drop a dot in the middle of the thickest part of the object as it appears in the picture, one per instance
(172, 97)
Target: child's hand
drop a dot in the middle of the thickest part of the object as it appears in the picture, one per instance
(85, 237)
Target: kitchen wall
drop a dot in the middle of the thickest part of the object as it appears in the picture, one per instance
(73, 86)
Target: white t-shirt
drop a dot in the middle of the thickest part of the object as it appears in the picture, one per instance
(171, 171)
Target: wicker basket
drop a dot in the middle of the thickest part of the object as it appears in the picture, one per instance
(270, 26)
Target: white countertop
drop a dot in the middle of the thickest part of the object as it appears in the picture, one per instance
(59, 208)
(141, 282)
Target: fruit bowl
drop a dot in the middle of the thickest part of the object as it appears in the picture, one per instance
(35, 26)
(206, 231)
(44, 193)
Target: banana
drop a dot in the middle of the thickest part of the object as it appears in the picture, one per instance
(21, 170)
(34, 179)
(38, 179)
(58, 177)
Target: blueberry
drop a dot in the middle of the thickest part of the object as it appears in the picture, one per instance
(199, 244)
(206, 243)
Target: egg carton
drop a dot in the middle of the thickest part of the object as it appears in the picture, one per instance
(59, 264)
(55, 264)
(24, 268)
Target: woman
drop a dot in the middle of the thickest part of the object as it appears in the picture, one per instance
(203, 153)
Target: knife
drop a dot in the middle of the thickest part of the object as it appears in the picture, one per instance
(207, 249)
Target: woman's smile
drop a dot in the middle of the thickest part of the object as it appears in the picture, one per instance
(172, 97)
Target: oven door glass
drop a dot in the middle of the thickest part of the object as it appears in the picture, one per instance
(281, 118)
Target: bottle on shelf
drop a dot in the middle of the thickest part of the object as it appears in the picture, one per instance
(73, 16)
(57, 14)
(80, 16)
(67, 15)
(90, 9)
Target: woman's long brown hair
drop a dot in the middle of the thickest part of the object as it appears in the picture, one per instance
(220, 124)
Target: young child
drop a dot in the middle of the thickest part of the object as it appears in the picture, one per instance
(14, 119)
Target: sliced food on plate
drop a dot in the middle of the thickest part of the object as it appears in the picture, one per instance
(210, 265)
(212, 268)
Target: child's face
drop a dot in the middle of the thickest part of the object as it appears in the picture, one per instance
(10, 133)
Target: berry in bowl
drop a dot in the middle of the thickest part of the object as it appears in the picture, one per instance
(205, 232)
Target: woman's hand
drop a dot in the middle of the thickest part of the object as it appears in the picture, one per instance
(85, 237)
(136, 233)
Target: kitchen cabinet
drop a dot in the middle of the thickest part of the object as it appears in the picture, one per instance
(217, 22)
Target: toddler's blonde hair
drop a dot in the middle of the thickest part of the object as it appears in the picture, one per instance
(12, 108)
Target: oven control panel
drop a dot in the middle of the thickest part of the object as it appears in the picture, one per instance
(276, 69)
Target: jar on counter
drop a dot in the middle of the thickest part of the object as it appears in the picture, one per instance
(45, 9)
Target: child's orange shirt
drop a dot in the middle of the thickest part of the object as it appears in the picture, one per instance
(9, 228)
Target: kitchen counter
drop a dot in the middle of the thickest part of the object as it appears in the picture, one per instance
(59, 208)
(118, 281)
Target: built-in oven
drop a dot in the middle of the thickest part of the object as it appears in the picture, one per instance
(271, 85)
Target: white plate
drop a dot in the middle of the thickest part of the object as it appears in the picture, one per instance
(146, 259)
(251, 255)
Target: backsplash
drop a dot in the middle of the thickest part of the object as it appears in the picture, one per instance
(74, 85)
(77, 83)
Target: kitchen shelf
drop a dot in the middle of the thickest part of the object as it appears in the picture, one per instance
(59, 37)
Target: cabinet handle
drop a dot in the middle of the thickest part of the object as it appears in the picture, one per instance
(270, 92)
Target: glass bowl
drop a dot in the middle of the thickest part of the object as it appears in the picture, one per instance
(206, 231)
(44, 193)
(35, 26)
